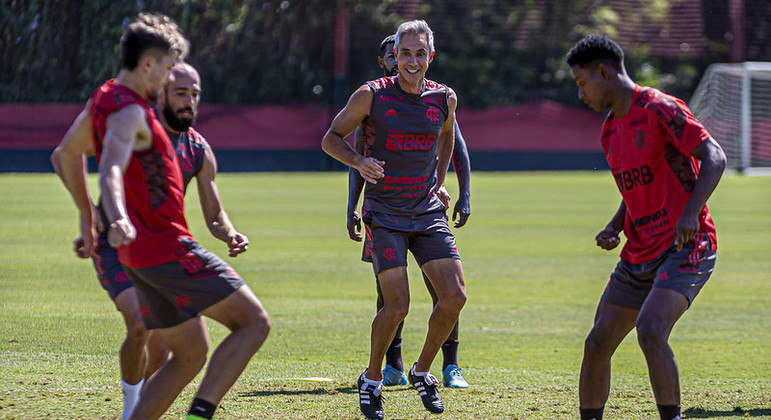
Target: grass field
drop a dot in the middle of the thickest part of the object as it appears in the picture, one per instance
(533, 274)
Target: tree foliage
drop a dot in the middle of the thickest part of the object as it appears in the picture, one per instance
(267, 51)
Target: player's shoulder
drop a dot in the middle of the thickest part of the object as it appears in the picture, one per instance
(111, 95)
(672, 111)
(658, 101)
(382, 82)
(196, 137)
(432, 85)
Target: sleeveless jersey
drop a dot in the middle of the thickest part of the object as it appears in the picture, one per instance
(191, 149)
(402, 130)
(649, 152)
(153, 183)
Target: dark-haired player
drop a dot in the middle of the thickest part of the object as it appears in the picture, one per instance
(405, 202)
(654, 146)
(393, 373)
(142, 201)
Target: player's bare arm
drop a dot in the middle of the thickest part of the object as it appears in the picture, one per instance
(444, 149)
(69, 161)
(127, 131)
(216, 217)
(344, 123)
(462, 165)
(713, 162)
(608, 237)
(355, 186)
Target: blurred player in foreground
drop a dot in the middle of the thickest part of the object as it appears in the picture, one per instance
(653, 145)
(175, 279)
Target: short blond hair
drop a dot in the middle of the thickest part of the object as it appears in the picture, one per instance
(151, 31)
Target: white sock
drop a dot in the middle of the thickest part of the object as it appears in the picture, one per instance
(415, 372)
(378, 384)
(130, 396)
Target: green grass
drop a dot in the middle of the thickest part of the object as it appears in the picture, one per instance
(533, 274)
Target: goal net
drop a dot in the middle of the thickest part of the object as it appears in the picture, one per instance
(733, 101)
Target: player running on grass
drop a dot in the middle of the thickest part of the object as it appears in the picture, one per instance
(177, 109)
(393, 373)
(653, 145)
(405, 203)
(175, 279)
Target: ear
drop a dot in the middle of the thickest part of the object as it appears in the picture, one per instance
(603, 71)
(380, 62)
(146, 62)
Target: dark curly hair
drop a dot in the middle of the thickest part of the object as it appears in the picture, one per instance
(595, 47)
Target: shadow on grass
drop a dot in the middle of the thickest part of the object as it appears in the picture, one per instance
(317, 391)
(700, 413)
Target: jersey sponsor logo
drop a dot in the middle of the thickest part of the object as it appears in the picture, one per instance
(409, 142)
(639, 139)
(389, 254)
(434, 100)
(636, 177)
(432, 113)
(384, 98)
(650, 218)
(406, 180)
(390, 113)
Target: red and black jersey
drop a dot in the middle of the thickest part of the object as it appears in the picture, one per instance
(402, 130)
(649, 153)
(191, 147)
(153, 183)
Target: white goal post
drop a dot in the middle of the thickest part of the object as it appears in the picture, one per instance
(733, 101)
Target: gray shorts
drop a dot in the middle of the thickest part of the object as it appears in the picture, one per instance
(685, 271)
(388, 237)
(174, 292)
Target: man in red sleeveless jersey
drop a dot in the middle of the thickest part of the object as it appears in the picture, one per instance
(393, 372)
(176, 280)
(653, 145)
(405, 164)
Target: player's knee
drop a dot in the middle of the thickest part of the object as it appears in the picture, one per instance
(137, 333)
(594, 344)
(396, 311)
(650, 336)
(454, 301)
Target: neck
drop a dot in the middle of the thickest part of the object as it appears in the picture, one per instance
(415, 88)
(622, 100)
(130, 80)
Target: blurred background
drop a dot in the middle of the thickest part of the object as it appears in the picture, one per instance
(275, 72)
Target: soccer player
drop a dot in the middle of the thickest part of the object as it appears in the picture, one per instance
(177, 109)
(653, 145)
(393, 373)
(405, 202)
(142, 197)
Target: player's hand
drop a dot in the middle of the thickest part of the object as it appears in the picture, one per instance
(237, 244)
(461, 212)
(686, 229)
(444, 196)
(608, 239)
(121, 232)
(371, 169)
(85, 245)
(354, 226)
